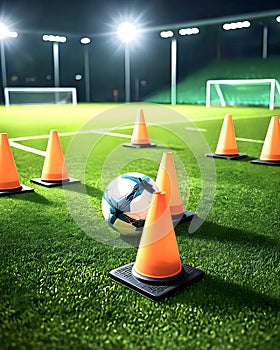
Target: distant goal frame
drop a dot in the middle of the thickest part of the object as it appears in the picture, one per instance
(274, 86)
(7, 90)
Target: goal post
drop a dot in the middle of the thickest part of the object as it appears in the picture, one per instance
(257, 92)
(39, 95)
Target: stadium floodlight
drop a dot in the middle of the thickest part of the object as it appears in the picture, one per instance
(127, 32)
(85, 41)
(166, 35)
(4, 33)
(236, 25)
(189, 31)
(55, 39)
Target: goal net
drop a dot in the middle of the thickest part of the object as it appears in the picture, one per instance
(39, 96)
(247, 92)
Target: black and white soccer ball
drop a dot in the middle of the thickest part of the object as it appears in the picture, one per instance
(126, 201)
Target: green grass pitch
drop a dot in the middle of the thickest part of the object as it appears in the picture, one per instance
(55, 289)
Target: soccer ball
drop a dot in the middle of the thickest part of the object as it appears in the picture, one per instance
(126, 201)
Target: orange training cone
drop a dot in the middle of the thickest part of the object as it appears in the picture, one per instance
(140, 138)
(270, 154)
(168, 182)
(227, 146)
(157, 271)
(158, 254)
(54, 171)
(9, 179)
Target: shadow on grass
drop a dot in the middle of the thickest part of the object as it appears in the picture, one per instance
(219, 233)
(214, 293)
(33, 197)
(246, 159)
(90, 190)
(218, 293)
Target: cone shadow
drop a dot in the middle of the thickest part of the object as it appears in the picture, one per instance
(223, 295)
(212, 231)
(34, 197)
(90, 190)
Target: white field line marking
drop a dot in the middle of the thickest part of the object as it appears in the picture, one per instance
(222, 117)
(94, 131)
(43, 153)
(100, 132)
(196, 129)
(155, 124)
(27, 138)
(27, 149)
(248, 140)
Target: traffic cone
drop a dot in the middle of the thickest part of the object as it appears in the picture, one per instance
(158, 254)
(54, 171)
(157, 271)
(227, 146)
(168, 182)
(140, 138)
(270, 154)
(9, 179)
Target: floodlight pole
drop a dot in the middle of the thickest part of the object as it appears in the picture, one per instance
(264, 43)
(56, 64)
(55, 39)
(173, 88)
(3, 64)
(127, 72)
(86, 41)
(127, 32)
(173, 71)
(87, 80)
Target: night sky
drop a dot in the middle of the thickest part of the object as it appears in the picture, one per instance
(30, 59)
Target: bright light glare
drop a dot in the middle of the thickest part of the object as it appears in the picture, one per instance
(5, 33)
(278, 19)
(85, 40)
(166, 34)
(188, 31)
(127, 32)
(54, 38)
(12, 34)
(236, 25)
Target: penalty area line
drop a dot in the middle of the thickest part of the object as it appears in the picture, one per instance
(27, 149)
(43, 153)
(72, 133)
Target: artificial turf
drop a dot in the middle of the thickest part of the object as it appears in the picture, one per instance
(56, 251)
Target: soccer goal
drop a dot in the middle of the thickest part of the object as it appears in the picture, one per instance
(39, 96)
(247, 92)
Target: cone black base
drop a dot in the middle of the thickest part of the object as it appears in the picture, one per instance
(135, 145)
(41, 182)
(265, 162)
(155, 292)
(22, 189)
(182, 218)
(228, 157)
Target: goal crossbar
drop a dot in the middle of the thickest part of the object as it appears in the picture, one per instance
(274, 85)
